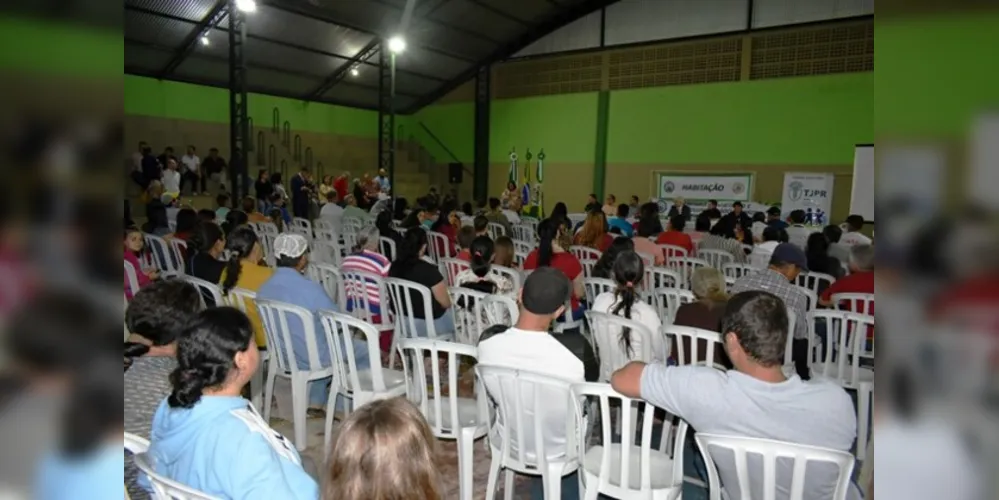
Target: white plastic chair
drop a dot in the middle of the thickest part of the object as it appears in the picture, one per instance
(453, 267)
(585, 253)
(438, 246)
(686, 266)
(792, 323)
(865, 394)
(523, 232)
(207, 290)
(362, 386)
(132, 277)
(163, 256)
(846, 346)
(511, 274)
(495, 230)
(660, 277)
(165, 488)
(245, 300)
(522, 247)
(764, 476)
(667, 300)
(330, 278)
(716, 258)
(450, 417)
(467, 324)
(324, 251)
(811, 298)
(737, 271)
(861, 303)
(618, 467)
(588, 265)
(301, 226)
(387, 247)
(606, 336)
(596, 286)
(357, 288)
(321, 224)
(671, 252)
(276, 317)
(694, 337)
(401, 294)
(523, 403)
(814, 281)
(498, 310)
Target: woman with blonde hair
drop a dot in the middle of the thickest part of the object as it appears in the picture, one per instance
(593, 234)
(384, 451)
(708, 285)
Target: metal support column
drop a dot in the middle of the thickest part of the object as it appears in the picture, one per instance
(386, 114)
(480, 174)
(239, 125)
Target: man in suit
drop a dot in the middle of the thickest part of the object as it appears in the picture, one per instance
(679, 208)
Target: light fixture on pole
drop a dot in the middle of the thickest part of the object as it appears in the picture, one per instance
(396, 45)
(246, 5)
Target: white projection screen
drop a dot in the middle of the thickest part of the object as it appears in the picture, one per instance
(862, 194)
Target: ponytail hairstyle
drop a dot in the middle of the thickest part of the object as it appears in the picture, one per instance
(159, 313)
(482, 255)
(206, 234)
(548, 230)
(628, 272)
(206, 353)
(240, 244)
(409, 250)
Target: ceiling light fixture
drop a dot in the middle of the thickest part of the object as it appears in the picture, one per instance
(396, 44)
(246, 5)
(205, 40)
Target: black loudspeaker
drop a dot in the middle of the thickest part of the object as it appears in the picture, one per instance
(455, 172)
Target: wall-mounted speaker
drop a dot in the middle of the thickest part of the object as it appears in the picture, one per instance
(454, 172)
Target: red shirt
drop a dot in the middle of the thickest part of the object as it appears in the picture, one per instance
(464, 255)
(340, 185)
(565, 262)
(677, 238)
(853, 283)
(604, 244)
(449, 231)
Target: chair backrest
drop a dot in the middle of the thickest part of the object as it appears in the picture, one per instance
(527, 405)
(132, 277)
(268, 228)
(862, 303)
(606, 331)
(349, 237)
(438, 246)
(326, 252)
(164, 488)
(359, 289)
(439, 400)
(524, 232)
(735, 271)
(453, 267)
(241, 299)
(352, 223)
(163, 256)
(498, 310)
(522, 247)
(667, 300)
(811, 298)
(467, 324)
(302, 226)
(686, 267)
(178, 249)
(136, 444)
(671, 252)
(596, 286)
(210, 292)
(588, 265)
(623, 472)
(511, 274)
(694, 337)
(495, 230)
(576, 218)
(585, 253)
(343, 331)
(814, 281)
(387, 247)
(846, 344)
(716, 258)
(401, 293)
(277, 318)
(329, 277)
(660, 277)
(322, 225)
(764, 476)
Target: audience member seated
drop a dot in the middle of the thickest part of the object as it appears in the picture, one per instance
(332, 211)
(481, 276)
(505, 252)
(819, 260)
(222, 202)
(187, 221)
(234, 219)
(206, 215)
(134, 246)
(628, 272)
(797, 233)
(679, 208)
(276, 216)
(760, 256)
(711, 212)
(737, 216)
(352, 210)
(155, 318)
(552, 242)
(383, 221)
(466, 235)
(860, 279)
(415, 218)
(289, 285)
(399, 209)
(708, 286)
(723, 237)
(836, 249)
(481, 225)
(786, 263)
(384, 450)
(466, 208)
(853, 236)
(410, 265)
(675, 236)
(702, 227)
(366, 258)
(634, 209)
(245, 270)
(447, 223)
(250, 208)
(610, 206)
(605, 264)
(560, 211)
(755, 400)
(620, 221)
(759, 225)
(591, 204)
(206, 436)
(593, 234)
(495, 215)
(278, 203)
(157, 222)
(774, 220)
(647, 230)
(205, 248)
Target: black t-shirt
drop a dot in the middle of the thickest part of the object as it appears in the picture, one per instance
(213, 165)
(264, 190)
(424, 273)
(205, 267)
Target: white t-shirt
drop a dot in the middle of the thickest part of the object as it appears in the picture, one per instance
(171, 181)
(758, 228)
(536, 352)
(612, 352)
(333, 213)
(814, 413)
(798, 236)
(851, 239)
(760, 257)
(511, 216)
(192, 162)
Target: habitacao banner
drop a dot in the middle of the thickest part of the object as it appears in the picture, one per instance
(721, 187)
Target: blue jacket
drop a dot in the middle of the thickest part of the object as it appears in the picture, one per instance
(223, 447)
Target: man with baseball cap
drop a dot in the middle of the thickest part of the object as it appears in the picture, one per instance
(786, 263)
(290, 286)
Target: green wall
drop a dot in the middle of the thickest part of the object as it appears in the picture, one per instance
(453, 124)
(793, 121)
(565, 125)
(167, 99)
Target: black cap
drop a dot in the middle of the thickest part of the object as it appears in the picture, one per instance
(545, 290)
(790, 254)
(773, 211)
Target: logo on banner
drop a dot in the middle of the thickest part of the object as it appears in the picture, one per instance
(669, 187)
(738, 188)
(662, 205)
(797, 189)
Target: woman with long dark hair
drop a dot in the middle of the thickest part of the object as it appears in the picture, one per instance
(187, 220)
(553, 240)
(205, 248)
(819, 260)
(410, 265)
(234, 219)
(205, 435)
(619, 345)
(604, 265)
(481, 276)
(245, 270)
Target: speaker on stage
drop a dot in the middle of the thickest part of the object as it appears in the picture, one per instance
(455, 171)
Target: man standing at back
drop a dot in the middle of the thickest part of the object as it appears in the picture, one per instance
(754, 400)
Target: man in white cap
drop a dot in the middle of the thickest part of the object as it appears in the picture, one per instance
(289, 285)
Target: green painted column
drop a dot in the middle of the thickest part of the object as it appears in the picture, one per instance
(600, 155)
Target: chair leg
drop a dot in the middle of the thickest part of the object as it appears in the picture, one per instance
(257, 387)
(328, 427)
(553, 481)
(466, 451)
(299, 404)
(508, 485)
(269, 393)
(494, 470)
(593, 491)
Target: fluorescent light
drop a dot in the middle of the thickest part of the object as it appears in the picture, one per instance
(396, 44)
(246, 5)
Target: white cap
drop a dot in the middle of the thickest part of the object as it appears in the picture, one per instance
(290, 245)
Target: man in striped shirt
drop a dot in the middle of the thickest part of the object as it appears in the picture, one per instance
(366, 258)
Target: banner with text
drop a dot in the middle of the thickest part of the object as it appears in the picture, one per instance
(805, 190)
(721, 187)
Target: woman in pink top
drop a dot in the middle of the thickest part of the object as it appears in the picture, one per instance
(133, 247)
